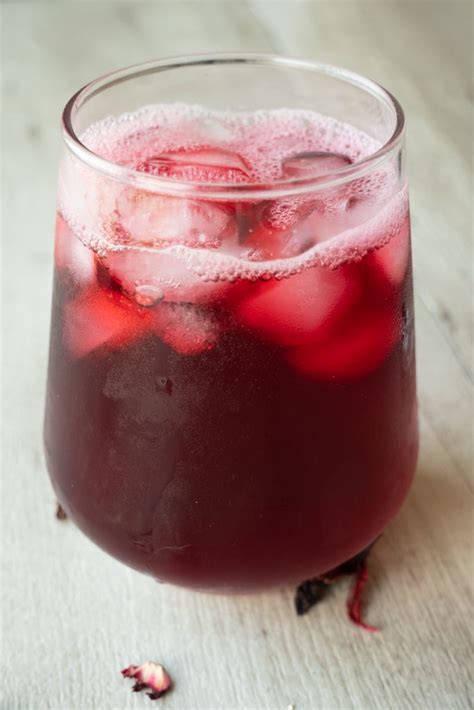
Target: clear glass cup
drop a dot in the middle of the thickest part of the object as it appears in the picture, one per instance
(231, 390)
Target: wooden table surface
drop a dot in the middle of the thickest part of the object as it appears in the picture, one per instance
(72, 616)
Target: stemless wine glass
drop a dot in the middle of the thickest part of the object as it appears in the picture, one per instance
(231, 390)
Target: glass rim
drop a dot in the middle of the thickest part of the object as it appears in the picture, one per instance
(203, 190)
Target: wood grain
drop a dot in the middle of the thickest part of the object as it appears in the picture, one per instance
(73, 617)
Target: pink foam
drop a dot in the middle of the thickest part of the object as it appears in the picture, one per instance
(256, 146)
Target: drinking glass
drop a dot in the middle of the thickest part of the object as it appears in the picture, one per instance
(231, 397)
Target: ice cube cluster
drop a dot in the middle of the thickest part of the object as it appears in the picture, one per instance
(175, 248)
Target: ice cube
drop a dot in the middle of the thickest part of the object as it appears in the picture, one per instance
(301, 308)
(334, 212)
(213, 165)
(71, 254)
(152, 219)
(356, 348)
(313, 164)
(316, 217)
(188, 329)
(97, 317)
(267, 230)
(152, 276)
(290, 226)
(393, 258)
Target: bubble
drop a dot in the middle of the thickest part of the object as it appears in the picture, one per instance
(148, 295)
(163, 384)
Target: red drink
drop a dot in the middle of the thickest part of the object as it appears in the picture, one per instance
(231, 390)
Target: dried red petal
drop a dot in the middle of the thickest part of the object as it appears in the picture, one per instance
(60, 513)
(149, 675)
(354, 603)
(314, 590)
(309, 593)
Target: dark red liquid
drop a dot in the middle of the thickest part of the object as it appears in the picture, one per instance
(260, 456)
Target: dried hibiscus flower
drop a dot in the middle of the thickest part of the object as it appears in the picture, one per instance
(354, 603)
(313, 590)
(149, 675)
(60, 513)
